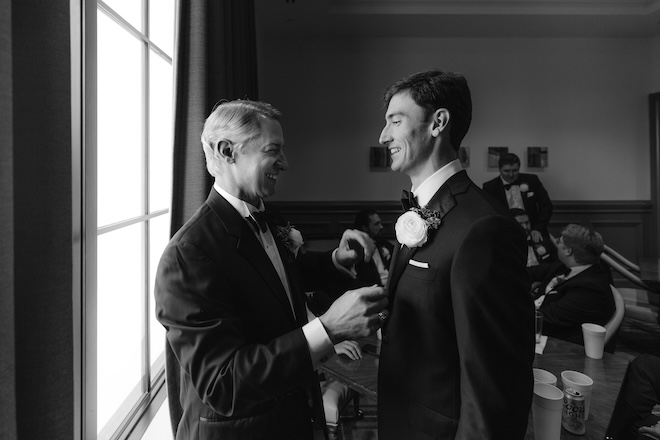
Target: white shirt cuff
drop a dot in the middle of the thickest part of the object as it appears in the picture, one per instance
(318, 341)
(350, 272)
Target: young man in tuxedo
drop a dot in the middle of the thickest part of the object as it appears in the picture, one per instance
(458, 345)
(575, 289)
(540, 252)
(524, 191)
(230, 292)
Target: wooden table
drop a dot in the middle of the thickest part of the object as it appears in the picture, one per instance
(607, 374)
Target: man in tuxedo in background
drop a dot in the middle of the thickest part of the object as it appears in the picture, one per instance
(458, 345)
(524, 191)
(368, 220)
(575, 289)
(543, 251)
(230, 293)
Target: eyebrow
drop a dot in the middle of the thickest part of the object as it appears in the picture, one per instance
(393, 114)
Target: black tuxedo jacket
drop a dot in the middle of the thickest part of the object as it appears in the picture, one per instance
(586, 297)
(460, 333)
(537, 202)
(246, 370)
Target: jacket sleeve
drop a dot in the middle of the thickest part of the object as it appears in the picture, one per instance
(237, 353)
(494, 322)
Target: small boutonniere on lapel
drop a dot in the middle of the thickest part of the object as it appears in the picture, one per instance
(412, 227)
(524, 188)
(290, 237)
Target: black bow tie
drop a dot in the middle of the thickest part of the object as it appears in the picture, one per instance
(408, 200)
(258, 220)
(507, 186)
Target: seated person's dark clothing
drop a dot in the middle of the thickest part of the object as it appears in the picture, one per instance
(367, 275)
(585, 297)
(543, 252)
(639, 394)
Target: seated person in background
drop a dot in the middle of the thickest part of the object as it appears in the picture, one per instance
(575, 289)
(523, 191)
(636, 413)
(543, 251)
(369, 221)
(373, 272)
(335, 394)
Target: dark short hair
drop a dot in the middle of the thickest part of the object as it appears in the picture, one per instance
(586, 244)
(362, 218)
(435, 89)
(508, 159)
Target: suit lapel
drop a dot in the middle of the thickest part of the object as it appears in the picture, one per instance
(442, 201)
(250, 248)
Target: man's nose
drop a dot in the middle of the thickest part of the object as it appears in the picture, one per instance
(282, 163)
(385, 137)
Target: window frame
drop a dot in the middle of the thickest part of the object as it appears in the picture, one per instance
(151, 389)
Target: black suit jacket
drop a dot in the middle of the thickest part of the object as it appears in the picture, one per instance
(586, 297)
(461, 332)
(246, 370)
(537, 202)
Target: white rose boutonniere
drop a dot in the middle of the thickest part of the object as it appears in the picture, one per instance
(291, 238)
(540, 249)
(524, 188)
(412, 227)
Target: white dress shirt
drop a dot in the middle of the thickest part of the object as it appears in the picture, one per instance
(513, 196)
(317, 338)
(427, 189)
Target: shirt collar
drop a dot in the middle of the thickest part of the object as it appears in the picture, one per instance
(243, 208)
(427, 189)
(578, 269)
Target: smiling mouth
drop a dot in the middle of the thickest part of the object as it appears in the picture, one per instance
(271, 176)
(394, 150)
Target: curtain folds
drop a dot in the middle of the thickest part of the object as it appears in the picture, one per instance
(215, 59)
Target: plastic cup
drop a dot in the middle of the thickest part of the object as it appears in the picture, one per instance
(581, 383)
(539, 326)
(547, 405)
(544, 376)
(594, 340)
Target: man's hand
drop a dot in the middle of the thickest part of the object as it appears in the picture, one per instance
(354, 245)
(651, 431)
(536, 236)
(350, 349)
(354, 315)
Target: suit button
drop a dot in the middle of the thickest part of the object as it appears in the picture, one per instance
(324, 359)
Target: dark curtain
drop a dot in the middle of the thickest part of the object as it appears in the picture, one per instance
(215, 59)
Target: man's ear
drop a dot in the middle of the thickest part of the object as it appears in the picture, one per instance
(225, 151)
(440, 121)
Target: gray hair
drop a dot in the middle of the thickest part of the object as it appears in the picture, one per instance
(235, 122)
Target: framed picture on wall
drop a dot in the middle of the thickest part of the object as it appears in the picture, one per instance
(464, 156)
(494, 156)
(379, 159)
(537, 157)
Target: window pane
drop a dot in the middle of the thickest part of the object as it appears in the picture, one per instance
(159, 232)
(160, 133)
(130, 10)
(161, 24)
(119, 123)
(119, 318)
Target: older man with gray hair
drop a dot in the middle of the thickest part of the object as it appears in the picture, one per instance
(230, 292)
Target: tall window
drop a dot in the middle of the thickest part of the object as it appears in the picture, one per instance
(135, 40)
